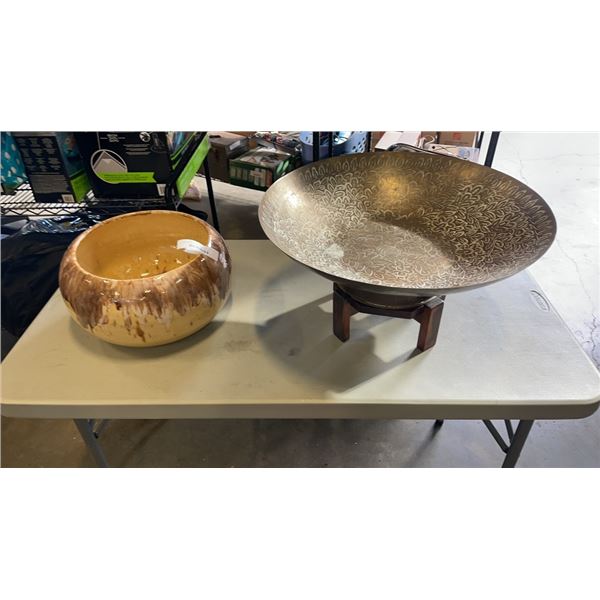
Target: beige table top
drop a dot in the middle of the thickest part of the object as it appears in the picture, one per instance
(502, 352)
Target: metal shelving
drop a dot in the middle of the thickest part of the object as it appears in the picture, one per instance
(22, 203)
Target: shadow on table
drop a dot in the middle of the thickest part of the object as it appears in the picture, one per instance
(302, 339)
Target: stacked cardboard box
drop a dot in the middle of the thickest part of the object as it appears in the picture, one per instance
(259, 168)
(224, 146)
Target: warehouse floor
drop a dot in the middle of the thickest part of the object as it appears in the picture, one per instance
(565, 170)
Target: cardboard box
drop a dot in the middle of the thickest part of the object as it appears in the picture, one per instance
(53, 165)
(249, 135)
(224, 146)
(259, 168)
(375, 137)
(138, 164)
(397, 137)
(458, 138)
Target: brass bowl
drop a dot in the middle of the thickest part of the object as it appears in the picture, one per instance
(125, 281)
(406, 225)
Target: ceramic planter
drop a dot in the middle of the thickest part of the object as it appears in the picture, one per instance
(126, 282)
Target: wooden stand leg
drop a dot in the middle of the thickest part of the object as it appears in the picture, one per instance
(430, 319)
(428, 315)
(342, 311)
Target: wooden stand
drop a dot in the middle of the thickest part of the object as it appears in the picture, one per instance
(428, 314)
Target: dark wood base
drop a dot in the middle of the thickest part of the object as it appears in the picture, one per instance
(428, 314)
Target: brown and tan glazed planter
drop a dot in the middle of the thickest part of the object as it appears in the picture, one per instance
(125, 281)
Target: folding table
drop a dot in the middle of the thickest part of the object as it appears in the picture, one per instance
(502, 353)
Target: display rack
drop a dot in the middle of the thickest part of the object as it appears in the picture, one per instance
(22, 203)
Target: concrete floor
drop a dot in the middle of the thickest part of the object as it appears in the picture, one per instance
(330, 443)
(294, 443)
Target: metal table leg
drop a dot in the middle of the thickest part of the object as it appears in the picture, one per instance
(516, 439)
(496, 435)
(519, 439)
(90, 437)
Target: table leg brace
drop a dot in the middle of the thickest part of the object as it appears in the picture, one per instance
(516, 439)
(86, 429)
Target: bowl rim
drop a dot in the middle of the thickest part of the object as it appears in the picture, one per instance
(71, 251)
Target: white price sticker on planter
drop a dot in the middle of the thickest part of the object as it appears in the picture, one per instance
(194, 247)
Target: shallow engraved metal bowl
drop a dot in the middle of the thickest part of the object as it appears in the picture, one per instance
(126, 282)
(406, 224)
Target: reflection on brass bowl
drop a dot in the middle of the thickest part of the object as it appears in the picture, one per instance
(404, 224)
(125, 281)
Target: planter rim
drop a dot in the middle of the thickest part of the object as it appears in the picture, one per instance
(75, 245)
